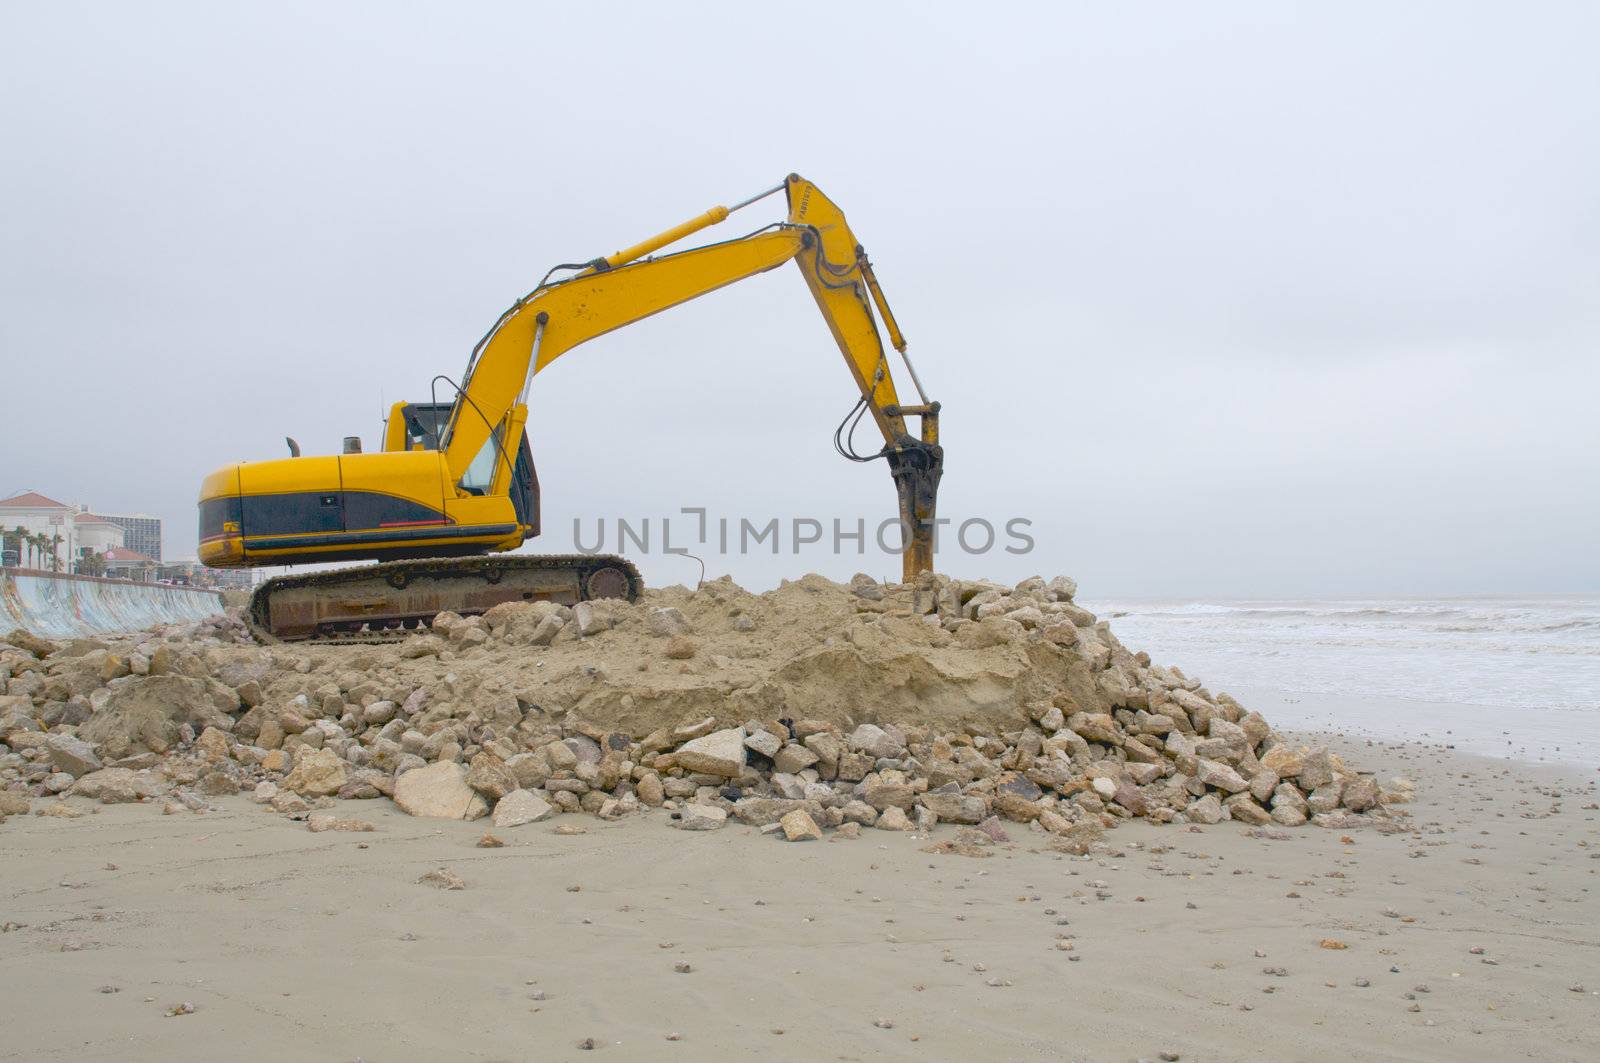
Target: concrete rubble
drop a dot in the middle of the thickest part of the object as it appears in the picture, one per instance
(811, 708)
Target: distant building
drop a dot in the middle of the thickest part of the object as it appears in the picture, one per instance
(194, 574)
(122, 563)
(50, 535)
(97, 534)
(143, 533)
(233, 579)
(74, 533)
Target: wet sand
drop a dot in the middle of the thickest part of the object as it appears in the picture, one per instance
(1560, 737)
(292, 945)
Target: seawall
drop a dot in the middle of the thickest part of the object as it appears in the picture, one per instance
(60, 606)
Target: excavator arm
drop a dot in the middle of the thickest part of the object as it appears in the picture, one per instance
(609, 293)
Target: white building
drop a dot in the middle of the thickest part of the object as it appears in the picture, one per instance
(72, 532)
(97, 533)
(122, 563)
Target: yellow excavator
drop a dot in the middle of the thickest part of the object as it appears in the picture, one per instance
(454, 487)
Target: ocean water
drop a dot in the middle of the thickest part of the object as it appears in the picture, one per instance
(1514, 676)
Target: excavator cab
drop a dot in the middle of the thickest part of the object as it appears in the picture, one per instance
(420, 426)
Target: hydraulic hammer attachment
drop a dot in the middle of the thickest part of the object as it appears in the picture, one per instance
(917, 465)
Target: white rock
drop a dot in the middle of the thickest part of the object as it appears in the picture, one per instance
(696, 816)
(1219, 776)
(438, 791)
(668, 621)
(789, 786)
(1288, 815)
(876, 742)
(893, 819)
(1205, 810)
(765, 743)
(72, 754)
(521, 806)
(718, 753)
(590, 620)
(547, 630)
(798, 826)
(317, 773)
(379, 713)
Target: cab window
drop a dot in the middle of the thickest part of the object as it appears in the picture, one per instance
(480, 474)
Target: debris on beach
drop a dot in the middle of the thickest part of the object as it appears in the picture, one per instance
(805, 709)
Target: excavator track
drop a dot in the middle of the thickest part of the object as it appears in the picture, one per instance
(386, 602)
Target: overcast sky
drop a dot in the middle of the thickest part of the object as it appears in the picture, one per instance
(1232, 299)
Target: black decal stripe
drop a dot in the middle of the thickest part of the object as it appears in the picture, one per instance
(313, 512)
(297, 511)
(372, 509)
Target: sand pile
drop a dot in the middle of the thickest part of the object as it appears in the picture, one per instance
(817, 705)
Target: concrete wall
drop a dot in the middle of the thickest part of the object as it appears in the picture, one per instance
(61, 606)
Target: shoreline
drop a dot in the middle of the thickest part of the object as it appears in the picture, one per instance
(326, 946)
(1485, 731)
(1505, 675)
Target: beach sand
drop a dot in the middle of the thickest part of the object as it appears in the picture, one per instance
(293, 945)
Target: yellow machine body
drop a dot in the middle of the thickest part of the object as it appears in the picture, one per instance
(381, 505)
